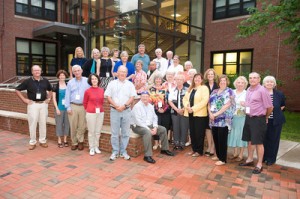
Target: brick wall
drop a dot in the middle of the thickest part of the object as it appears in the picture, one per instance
(10, 102)
(269, 52)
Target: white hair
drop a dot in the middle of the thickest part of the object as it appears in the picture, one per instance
(270, 78)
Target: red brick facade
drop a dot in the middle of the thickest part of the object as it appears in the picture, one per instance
(269, 53)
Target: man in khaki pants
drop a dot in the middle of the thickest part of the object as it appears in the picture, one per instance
(37, 104)
(74, 104)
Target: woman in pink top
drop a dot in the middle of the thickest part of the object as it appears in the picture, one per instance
(93, 105)
(140, 78)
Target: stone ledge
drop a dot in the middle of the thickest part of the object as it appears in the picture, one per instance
(51, 121)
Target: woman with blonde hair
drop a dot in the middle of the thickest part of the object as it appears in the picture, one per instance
(90, 67)
(238, 121)
(210, 78)
(79, 59)
(195, 107)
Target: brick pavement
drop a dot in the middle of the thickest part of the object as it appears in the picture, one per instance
(61, 173)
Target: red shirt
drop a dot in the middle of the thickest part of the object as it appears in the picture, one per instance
(93, 98)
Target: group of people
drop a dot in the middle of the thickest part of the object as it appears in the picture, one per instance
(176, 104)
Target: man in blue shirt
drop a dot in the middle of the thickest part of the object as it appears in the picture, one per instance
(73, 102)
(141, 55)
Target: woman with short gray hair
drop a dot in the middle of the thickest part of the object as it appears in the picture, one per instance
(275, 121)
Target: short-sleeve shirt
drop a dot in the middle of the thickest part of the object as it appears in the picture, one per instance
(217, 101)
(129, 66)
(119, 91)
(145, 59)
(258, 100)
(34, 86)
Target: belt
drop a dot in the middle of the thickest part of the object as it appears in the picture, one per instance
(39, 102)
(115, 108)
(257, 116)
(76, 104)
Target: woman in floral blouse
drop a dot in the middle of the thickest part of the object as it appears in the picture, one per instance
(159, 100)
(140, 78)
(221, 108)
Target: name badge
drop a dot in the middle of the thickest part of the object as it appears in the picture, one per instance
(97, 110)
(38, 96)
(107, 74)
(63, 101)
(248, 110)
(77, 97)
(159, 104)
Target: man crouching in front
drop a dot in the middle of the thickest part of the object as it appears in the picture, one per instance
(144, 122)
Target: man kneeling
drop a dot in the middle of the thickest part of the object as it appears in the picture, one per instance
(144, 122)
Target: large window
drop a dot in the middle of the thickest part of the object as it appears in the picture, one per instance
(30, 52)
(232, 62)
(232, 8)
(42, 9)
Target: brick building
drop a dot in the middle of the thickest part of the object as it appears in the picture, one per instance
(46, 32)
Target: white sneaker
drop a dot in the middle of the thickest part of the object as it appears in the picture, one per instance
(125, 156)
(97, 150)
(113, 157)
(92, 151)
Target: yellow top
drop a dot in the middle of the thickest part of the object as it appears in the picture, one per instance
(200, 102)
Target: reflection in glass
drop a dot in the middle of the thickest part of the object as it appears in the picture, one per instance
(182, 12)
(129, 43)
(166, 9)
(197, 13)
(219, 69)
(149, 39)
(22, 46)
(37, 47)
(23, 67)
(149, 6)
(230, 69)
(195, 56)
(182, 46)
(245, 57)
(218, 58)
(51, 65)
(196, 33)
(231, 57)
(50, 49)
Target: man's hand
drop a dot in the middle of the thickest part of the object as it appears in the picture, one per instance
(57, 111)
(47, 100)
(70, 112)
(28, 101)
(120, 108)
(154, 131)
(180, 111)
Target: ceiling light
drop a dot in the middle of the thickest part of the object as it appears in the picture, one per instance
(177, 15)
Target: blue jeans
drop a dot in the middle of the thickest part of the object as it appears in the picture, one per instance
(120, 120)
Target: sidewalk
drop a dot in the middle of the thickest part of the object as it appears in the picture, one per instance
(61, 173)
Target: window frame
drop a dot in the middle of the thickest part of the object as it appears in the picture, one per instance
(31, 55)
(30, 7)
(227, 10)
(238, 64)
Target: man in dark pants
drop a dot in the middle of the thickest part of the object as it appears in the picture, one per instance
(258, 108)
(145, 124)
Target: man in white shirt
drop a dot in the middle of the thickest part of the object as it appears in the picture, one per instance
(120, 94)
(144, 123)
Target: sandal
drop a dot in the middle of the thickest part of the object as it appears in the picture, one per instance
(60, 145)
(66, 144)
(196, 154)
(238, 159)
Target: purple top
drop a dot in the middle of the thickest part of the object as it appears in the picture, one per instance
(258, 100)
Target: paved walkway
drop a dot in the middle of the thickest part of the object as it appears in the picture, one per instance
(62, 173)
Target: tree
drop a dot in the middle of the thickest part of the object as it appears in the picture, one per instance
(284, 15)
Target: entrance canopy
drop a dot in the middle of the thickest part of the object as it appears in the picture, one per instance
(52, 29)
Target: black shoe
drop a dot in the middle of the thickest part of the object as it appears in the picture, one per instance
(180, 148)
(246, 164)
(149, 159)
(269, 163)
(167, 152)
(257, 170)
(176, 148)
